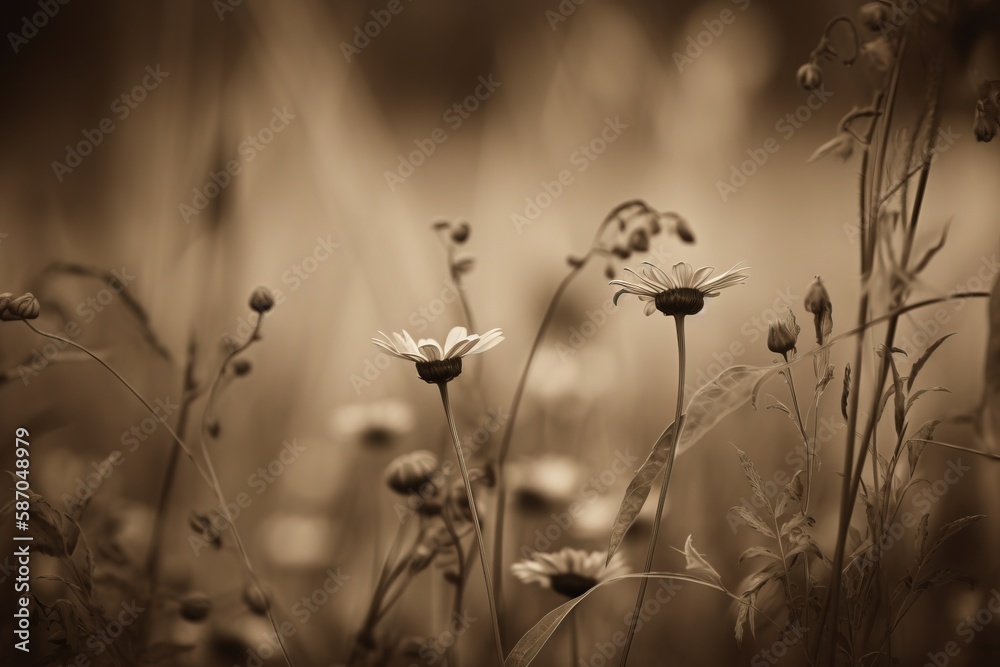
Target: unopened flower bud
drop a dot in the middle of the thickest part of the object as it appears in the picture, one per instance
(261, 300)
(818, 303)
(639, 240)
(256, 600)
(460, 234)
(24, 307)
(609, 272)
(406, 473)
(195, 607)
(987, 120)
(783, 335)
(5, 300)
(810, 76)
(683, 230)
(621, 252)
(242, 367)
(874, 15)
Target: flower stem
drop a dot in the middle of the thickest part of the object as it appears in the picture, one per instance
(446, 402)
(515, 405)
(678, 426)
(574, 639)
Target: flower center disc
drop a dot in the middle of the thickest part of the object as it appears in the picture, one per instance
(571, 584)
(680, 301)
(440, 370)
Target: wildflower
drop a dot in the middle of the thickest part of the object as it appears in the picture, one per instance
(783, 335)
(261, 300)
(405, 474)
(810, 76)
(195, 607)
(377, 424)
(436, 365)
(818, 303)
(545, 483)
(684, 294)
(24, 307)
(569, 572)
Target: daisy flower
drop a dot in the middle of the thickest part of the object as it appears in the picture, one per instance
(569, 572)
(376, 424)
(683, 293)
(437, 363)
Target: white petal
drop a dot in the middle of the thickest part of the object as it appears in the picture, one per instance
(455, 335)
(649, 308)
(682, 274)
(658, 275)
(430, 349)
(411, 345)
(701, 275)
(484, 344)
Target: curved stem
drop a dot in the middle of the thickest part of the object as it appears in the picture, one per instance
(661, 502)
(515, 406)
(446, 402)
(125, 383)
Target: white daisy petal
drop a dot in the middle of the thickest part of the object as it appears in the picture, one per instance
(701, 275)
(649, 308)
(489, 340)
(430, 349)
(455, 335)
(682, 274)
(657, 274)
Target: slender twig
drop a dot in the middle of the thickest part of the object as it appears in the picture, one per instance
(446, 402)
(207, 417)
(661, 502)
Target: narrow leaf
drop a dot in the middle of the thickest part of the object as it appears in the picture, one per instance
(919, 363)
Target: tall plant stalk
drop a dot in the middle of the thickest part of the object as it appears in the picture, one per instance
(484, 560)
(661, 502)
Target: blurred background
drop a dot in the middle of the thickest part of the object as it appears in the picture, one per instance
(201, 149)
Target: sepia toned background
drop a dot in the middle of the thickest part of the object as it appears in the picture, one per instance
(531, 121)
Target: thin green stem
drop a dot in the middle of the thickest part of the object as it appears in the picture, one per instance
(446, 402)
(661, 502)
